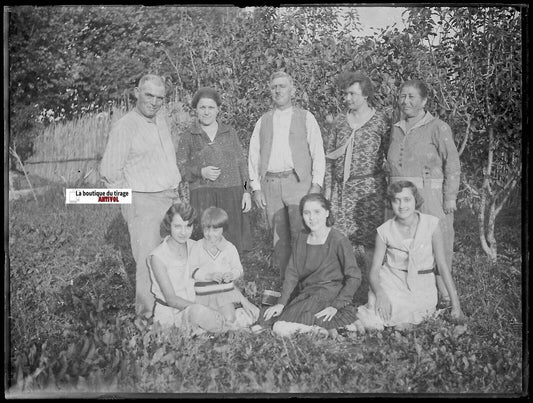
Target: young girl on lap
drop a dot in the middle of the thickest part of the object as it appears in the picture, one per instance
(170, 272)
(216, 264)
(402, 288)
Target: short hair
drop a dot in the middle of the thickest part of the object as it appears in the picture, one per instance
(278, 74)
(206, 92)
(396, 187)
(348, 78)
(184, 210)
(325, 203)
(214, 217)
(157, 80)
(419, 85)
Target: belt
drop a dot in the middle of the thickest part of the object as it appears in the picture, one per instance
(419, 181)
(283, 174)
(363, 176)
(172, 190)
(428, 271)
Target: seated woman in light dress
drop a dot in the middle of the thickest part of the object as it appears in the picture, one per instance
(402, 288)
(171, 275)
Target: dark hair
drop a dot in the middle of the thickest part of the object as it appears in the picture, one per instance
(396, 187)
(184, 210)
(214, 217)
(348, 78)
(205, 92)
(419, 85)
(325, 203)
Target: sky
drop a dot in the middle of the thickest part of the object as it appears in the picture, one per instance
(379, 17)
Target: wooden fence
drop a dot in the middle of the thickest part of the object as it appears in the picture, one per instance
(70, 152)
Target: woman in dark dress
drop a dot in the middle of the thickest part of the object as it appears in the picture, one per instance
(323, 265)
(211, 159)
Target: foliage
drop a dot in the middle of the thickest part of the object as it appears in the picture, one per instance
(69, 60)
(475, 56)
(73, 328)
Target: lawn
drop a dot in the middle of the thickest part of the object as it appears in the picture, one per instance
(72, 329)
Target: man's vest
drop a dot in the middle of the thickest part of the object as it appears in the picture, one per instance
(301, 156)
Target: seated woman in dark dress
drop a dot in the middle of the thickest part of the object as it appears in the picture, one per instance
(324, 266)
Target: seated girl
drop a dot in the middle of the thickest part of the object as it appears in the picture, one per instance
(323, 265)
(402, 288)
(172, 284)
(216, 264)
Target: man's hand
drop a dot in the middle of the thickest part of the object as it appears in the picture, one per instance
(246, 204)
(210, 173)
(259, 199)
(315, 188)
(449, 206)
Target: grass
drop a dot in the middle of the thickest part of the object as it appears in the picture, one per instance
(72, 328)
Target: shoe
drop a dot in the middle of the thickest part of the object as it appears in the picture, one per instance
(444, 303)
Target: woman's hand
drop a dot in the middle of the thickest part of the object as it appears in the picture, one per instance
(449, 206)
(457, 315)
(326, 314)
(227, 277)
(210, 173)
(251, 309)
(383, 307)
(218, 277)
(246, 202)
(273, 311)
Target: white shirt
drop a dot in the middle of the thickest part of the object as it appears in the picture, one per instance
(281, 157)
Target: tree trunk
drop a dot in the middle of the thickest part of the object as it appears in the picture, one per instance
(481, 222)
(491, 239)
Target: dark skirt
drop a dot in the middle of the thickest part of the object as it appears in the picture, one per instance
(305, 305)
(230, 200)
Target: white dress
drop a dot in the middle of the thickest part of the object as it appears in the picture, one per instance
(195, 318)
(407, 276)
(179, 274)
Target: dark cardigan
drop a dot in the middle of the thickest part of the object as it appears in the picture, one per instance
(195, 151)
(337, 267)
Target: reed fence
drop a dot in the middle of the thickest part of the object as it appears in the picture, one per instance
(70, 152)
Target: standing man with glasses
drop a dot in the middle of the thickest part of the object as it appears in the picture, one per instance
(140, 156)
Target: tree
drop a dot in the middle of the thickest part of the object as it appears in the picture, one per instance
(476, 59)
(70, 60)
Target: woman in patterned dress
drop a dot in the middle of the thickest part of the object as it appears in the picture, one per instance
(355, 180)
